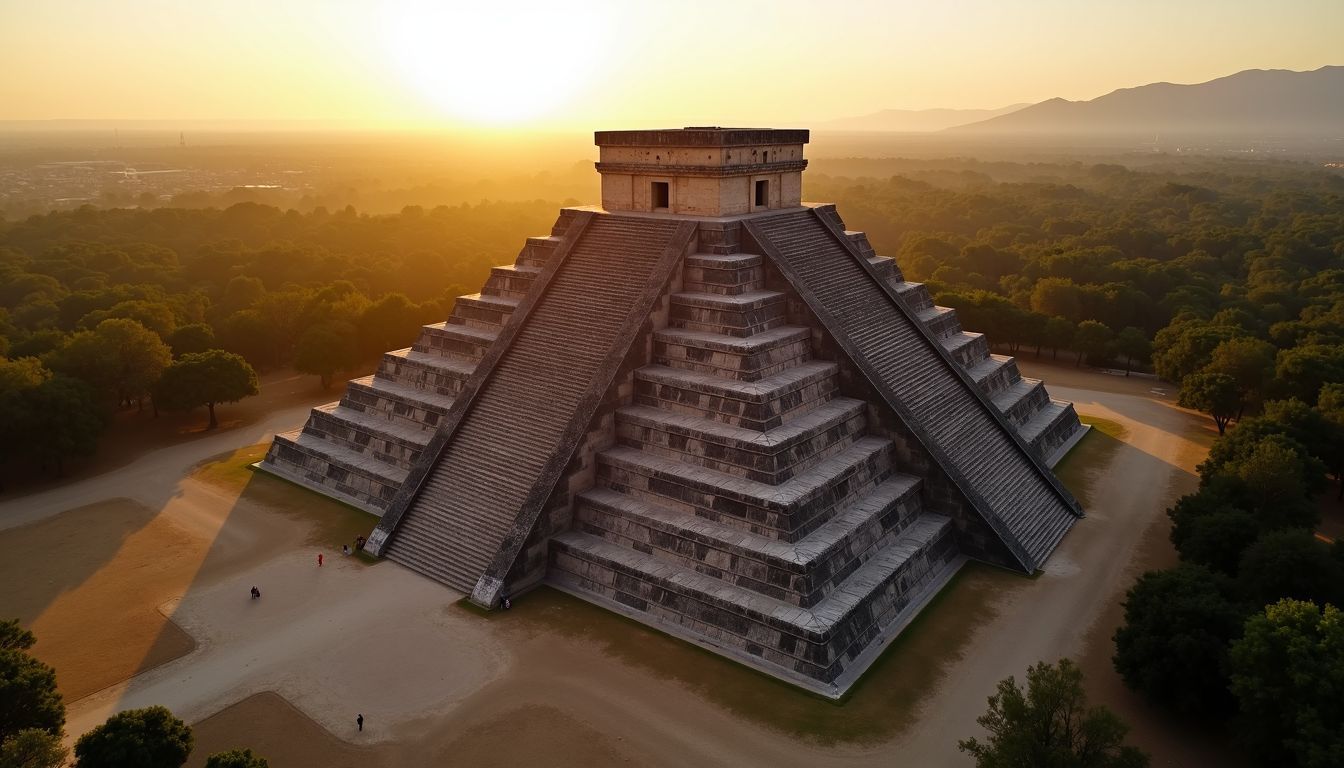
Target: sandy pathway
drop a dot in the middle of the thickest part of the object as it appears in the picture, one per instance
(437, 680)
(152, 479)
(333, 641)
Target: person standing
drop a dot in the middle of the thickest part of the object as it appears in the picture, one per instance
(359, 720)
(319, 559)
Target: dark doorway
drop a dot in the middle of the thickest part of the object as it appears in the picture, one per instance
(661, 195)
(762, 193)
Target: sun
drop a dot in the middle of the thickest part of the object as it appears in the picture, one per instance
(500, 62)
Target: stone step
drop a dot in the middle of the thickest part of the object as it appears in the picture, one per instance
(1001, 479)
(334, 470)
(472, 511)
(915, 295)
(388, 441)
(818, 643)
(762, 404)
(941, 321)
(741, 315)
(994, 374)
(455, 340)
(537, 251)
(425, 371)
(406, 404)
(967, 348)
(772, 457)
(788, 511)
(1050, 427)
(886, 269)
(800, 573)
(746, 359)
(860, 241)
(511, 281)
(1020, 402)
(728, 274)
(480, 310)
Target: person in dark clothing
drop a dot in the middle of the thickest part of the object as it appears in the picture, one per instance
(256, 593)
(359, 720)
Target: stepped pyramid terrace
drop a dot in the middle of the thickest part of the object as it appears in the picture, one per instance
(710, 407)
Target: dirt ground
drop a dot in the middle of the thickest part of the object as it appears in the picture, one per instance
(93, 579)
(183, 532)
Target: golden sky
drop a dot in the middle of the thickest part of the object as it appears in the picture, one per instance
(633, 63)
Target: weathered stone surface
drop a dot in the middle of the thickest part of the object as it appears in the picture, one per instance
(720, 461)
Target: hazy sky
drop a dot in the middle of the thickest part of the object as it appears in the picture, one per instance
(571, 63)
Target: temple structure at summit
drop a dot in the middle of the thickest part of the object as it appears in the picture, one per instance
(706, 405)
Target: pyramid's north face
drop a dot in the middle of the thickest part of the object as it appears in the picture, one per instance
(708, 406)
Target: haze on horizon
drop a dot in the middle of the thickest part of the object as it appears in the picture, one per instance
(530, 65)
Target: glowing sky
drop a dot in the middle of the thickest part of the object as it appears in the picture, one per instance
(636, 62)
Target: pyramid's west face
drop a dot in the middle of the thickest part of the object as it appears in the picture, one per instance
(744, 480)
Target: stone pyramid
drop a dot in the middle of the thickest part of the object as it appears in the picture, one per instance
(710, 407)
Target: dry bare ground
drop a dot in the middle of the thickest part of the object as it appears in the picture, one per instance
(136, 581)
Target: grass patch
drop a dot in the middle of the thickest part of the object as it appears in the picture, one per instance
(332, 522)
(1084, 465)
(880, 705)
(1104, 426)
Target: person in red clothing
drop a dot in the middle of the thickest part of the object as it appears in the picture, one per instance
(319, 559)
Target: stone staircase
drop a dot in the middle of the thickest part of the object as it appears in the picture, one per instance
(499, 461)
(360, 450)
(1047, 425)
(1004, 479)
(746, 505)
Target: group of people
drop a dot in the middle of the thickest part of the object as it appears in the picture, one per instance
(345, 550)
(360, 541)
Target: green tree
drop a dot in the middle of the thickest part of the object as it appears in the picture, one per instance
(13, 637)
(33, 748)
(1056, 297)
(1278, 479)
(1050, 724)
(1093, 341)
(1209, 531)
(1057, 332)
(236, 758)
(325, 349)
(205, 378)
(147, 738)
(120, 357)
(1302, 371)
(1182, 349)
(17, 377)
(392, 322)
(1172, 646)
(1290, 563)
(62, 421)
(1216, 394)
(1250, 362)
(1330, 408)
(1133, 345)
(1287, 671)
(28, 695)
(154, 315)
(190, 339)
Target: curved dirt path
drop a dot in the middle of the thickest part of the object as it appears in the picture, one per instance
(435, 680)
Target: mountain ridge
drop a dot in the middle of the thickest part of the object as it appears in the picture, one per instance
(915, 120)
(1250, 102)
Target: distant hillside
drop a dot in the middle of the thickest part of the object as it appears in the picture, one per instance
(913, 120)
(1257, 102)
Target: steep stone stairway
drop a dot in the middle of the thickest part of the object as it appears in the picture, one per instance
(1000, 476)
(526, 417)
(360, 449)
(746, 505)
(1045, 424)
